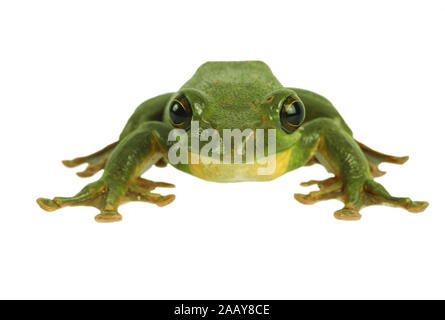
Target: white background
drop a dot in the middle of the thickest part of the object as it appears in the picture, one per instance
(71, 73)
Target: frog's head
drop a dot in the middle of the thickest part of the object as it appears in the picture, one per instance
(238, 96)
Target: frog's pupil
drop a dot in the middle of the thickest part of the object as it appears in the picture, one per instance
(177, 113)
(295, 113)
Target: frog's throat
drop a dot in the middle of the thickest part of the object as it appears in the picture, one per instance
(266, 169)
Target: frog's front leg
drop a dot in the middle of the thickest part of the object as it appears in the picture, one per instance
(353, 182)
(121, 181)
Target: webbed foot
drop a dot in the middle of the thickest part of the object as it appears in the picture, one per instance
(108, 195)
(356, 196)
(141, 191)
(329, 189)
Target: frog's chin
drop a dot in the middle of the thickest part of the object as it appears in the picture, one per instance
(267, 168)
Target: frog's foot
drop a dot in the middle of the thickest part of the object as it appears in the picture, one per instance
(108, 196)
(377, 194)
(96, 161)
(141, 191)
(375, 158)
(329, 189)
(94, 194)
(356, 196)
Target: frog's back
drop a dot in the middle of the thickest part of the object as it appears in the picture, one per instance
(219, 77)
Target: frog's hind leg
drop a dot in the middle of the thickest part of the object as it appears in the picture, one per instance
(375, 158)
(96, 161)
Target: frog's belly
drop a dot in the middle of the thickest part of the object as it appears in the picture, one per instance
(272, 168)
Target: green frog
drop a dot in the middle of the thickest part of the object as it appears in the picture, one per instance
(300, 127)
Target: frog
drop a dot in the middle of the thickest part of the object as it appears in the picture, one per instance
(235, 95)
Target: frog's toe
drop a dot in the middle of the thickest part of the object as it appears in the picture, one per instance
(417, 206)
(310, 183)
(94, 165)
(329, 189)
(47, 204)
(347, 214)
(92, 169)
(162, 201)
(95, 161)
(91, 195)
(141, 191)
(149, 197)
(71, 163)
(151, 185)
(304, 198)
(108, 216)
(379, 195)
(375, 158)
(314, 197)
(405, 203)
(321, 183)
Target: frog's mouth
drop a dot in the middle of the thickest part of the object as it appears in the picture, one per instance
(231, 154)
(264, 169)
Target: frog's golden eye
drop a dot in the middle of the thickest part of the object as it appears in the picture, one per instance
(292, 114)
(180, 112)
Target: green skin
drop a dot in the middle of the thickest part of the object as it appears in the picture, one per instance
(229, 95)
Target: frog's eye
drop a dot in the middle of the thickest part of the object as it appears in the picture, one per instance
(292, 114)
(180, 112)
